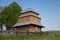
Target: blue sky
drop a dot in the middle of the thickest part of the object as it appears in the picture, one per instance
(49, 11)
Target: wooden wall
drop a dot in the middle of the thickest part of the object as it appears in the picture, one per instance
(30, 28)
(34, 19)
(29, 19)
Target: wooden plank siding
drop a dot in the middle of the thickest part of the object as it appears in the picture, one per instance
(29, 19)
(30, 28)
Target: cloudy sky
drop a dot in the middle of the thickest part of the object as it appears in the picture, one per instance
(49, 11)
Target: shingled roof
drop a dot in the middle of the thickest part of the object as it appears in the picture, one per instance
(27, 23)
(29, 9)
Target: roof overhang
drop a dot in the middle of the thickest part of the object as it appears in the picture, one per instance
(29, 15)
(28, 23)
(29, 10)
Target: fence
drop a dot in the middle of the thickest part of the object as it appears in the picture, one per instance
(16, 32)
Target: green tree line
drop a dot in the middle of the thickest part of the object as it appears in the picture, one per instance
(9, 15)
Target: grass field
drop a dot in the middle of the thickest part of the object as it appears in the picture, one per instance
(50, 36)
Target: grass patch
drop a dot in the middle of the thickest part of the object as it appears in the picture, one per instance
(30, 37)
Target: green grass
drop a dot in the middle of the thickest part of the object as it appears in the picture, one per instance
(31, 37)
(23, 37)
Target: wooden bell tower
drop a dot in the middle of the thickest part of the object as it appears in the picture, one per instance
(29, 20)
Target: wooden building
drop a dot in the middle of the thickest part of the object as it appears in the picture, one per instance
(29, 21)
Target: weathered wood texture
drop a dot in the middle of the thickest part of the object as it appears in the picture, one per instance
(29, 19)
(30, 28)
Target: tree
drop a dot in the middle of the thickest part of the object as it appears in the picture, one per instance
(1, 9)
(0, 22)
(10, 15)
